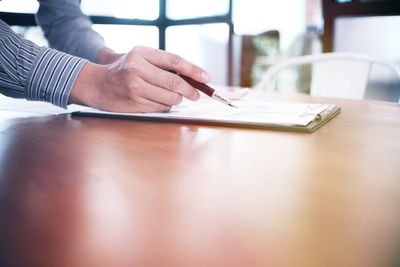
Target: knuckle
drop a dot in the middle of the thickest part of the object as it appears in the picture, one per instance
(167, 108)
(135, 55)
(140, 105)
(173, 82)
(174, 99)
(135, 88)
(133, 96)
(196, 70)
(132, 53)
(136, 49)
(157, 108)
(178, 99)
(133, 82)
(128, 73)
(175, 60)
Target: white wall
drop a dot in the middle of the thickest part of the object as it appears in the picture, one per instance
(377, 36)
(374, 36)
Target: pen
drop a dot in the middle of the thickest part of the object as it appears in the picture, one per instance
(207, 90)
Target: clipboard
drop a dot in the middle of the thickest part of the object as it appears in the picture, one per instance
(297, 117)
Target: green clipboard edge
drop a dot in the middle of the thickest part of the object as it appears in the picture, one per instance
(311, 127)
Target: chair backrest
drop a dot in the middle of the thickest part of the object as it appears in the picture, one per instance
(342, 75)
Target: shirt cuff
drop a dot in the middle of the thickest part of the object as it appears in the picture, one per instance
(52, 76)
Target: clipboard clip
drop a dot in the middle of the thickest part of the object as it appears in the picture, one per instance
(318, 115)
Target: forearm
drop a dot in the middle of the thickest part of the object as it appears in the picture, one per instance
(35, 73)
(67, 29)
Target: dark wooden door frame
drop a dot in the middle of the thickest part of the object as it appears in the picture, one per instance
(355, 8)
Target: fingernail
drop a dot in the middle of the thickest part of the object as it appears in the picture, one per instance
(205, 76)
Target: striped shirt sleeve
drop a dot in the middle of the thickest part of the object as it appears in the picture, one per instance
(35, 73)
(67, 29)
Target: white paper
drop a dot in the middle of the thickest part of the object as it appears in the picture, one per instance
(205, 109)
(33, 108)
(255, 113)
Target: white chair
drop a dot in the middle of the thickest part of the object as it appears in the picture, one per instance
(341, 75)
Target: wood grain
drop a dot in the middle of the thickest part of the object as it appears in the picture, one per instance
(102, 192)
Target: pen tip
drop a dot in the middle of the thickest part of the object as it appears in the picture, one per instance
(232, 105)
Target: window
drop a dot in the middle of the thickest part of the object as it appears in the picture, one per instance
(186, 9)
(20, 6)
(122, 38)
(205, 45)
(132, 9)
(174, 25)
(32, 33)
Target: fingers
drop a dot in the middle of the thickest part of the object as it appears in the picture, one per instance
(137, 105)
(159, 95)
(147, 105)
(170, 81)
(140, 82)
(142, 96)
(169, 61)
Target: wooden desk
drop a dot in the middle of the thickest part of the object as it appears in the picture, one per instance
(100, 192)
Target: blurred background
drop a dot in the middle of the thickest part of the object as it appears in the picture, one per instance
(238, 40)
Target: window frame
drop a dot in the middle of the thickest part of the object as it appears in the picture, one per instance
(162, 23)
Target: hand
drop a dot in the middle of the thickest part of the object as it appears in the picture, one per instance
(137, 82)
(107, 56)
